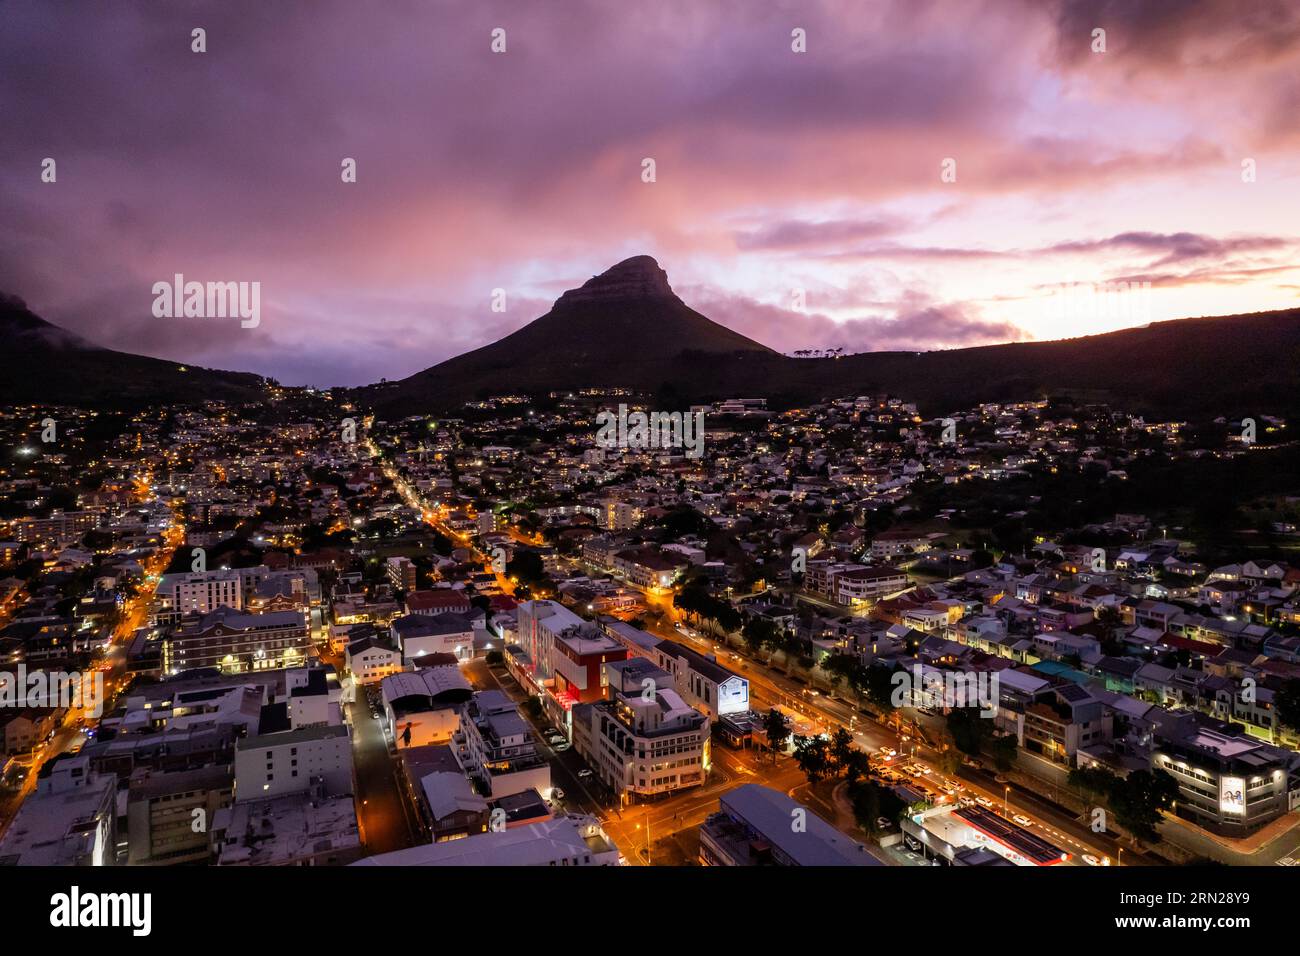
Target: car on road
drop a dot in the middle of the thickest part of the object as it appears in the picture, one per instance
(966, 801)
(984, 802)
(584, 773)
(1021, 820)
(561, 748)
(556, 739)
(1090, 860)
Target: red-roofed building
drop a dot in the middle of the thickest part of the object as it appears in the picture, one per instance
(437, 601)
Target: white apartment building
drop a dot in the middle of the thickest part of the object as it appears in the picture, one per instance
(704, 683)
(295, 761)
(894, 544)
(642, 745)
(202, 592)
(617, 515)
(495, 746)
(855, 585)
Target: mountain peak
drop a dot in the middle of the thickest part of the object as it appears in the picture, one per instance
(636, 278)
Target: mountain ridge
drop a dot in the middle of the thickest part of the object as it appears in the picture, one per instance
(1203, 365)
(625, 327)
(46, 364)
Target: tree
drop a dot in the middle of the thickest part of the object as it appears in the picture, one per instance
(758, 632)
(1136, 800)
(1002, 748)
(1094, 782)
(813, 756)
(527, 566)
(880, 688)
(873, 801)
(1140, 797)
(968, 729)
(841, 746)
(1287, 704)
(778, 732)
(856, 766)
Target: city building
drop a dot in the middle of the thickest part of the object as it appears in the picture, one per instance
(759, 826)
(645, 741)
(235, 642)
(70, 819)
(310, 760)
(562, 841)
(495, 747)
(419, 635)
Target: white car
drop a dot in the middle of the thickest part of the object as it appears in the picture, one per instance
(1091, 860)
(561, 748)
(966, 801)
(1022, 820)
(984, 802)
(557, 793)
(584, 773)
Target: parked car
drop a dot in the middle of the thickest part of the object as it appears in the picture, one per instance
(883, 823)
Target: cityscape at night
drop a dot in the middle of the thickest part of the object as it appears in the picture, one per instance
(665, 438)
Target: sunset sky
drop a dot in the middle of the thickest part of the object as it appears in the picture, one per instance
(776, 170)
